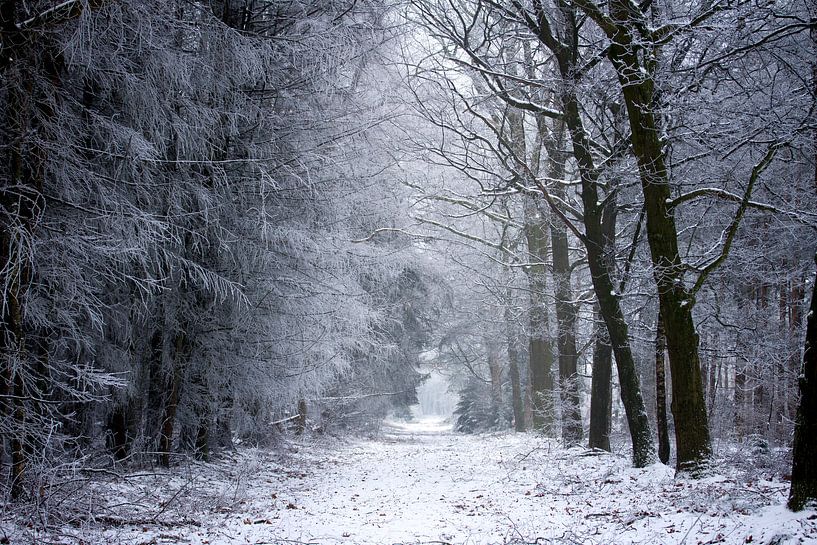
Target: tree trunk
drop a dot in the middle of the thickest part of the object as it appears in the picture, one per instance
(21, 203)
(740, 399)
(606, 293)
(804, 470)
(119, 438)
(223, 425)
(495, 369)
(692, 438)
(593, 238)
(608, 298)
(202, 446)
(540, 349)
(566, 310)
(513, 370)
(661, 392)
(300, 422)
(601, 387)
(171, 404)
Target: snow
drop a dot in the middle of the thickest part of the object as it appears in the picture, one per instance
(421, 483)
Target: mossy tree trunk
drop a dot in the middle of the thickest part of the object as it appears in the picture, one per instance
(606, 293)
(692, 436)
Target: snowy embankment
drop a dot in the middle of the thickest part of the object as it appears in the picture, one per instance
(421, 483)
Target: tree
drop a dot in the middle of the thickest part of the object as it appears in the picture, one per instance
(474, 42)
(803, 473)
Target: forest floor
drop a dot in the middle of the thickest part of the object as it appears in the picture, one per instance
(421, 483)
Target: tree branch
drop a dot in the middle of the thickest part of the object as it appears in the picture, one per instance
(733, 227)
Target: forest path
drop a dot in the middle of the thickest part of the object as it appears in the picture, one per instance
(420, 483)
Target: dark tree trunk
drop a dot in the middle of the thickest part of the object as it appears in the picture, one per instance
(804, 470)
(661, 392)
(566, 310)
(202, 446)
(804, 451)
(21, 203)
(694, 450)
(566, 54)
(606, 293)
(601, 388)
(171, 404)
(300, 422)
(223, 426)
(118, 437)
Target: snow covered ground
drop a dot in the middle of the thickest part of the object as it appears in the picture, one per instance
(421, 483)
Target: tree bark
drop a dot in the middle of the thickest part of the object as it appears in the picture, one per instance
(536, 230)
(300, 423)
(566, 310)
(804, 470)
(513, 371)
(495, 369)
(693, 443)
(171, 404)
(740, 399)
(661, 392)
(540, 349)
(601, 387)
(21, 203)
(606, 294)
(566, 54)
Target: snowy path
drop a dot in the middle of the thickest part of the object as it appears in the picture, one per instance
(418, 484)
(424, 484)
(421, 483)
